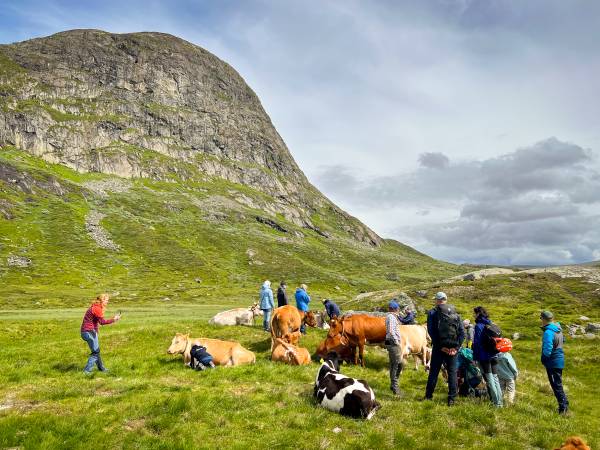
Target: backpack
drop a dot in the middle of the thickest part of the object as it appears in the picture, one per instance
(472, 373)
(503, 345)
(490, 333)
(201, 359)
(449, 324)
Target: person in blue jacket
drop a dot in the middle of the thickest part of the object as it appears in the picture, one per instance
(302, 301)
(553, 358)
(409, 317)
(332, 309)
(266, 304)
(487, 361)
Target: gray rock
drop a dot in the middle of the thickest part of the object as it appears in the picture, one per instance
(575, 329)
(592, 327)
(97, 233)
(516, 336)
(421, 293)
(18, 261)
(155, 106)
(584, 318)
(589, 336)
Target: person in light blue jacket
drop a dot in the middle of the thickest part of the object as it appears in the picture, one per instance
(553, 358)
(302, 301)
(266, 304)
(507, 374)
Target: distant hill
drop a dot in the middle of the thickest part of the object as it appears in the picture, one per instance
(143, 164)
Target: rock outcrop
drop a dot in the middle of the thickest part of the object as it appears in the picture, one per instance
(151, 105)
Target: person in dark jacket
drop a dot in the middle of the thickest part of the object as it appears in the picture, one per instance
(553, 358)
(332, 309)
(487, 361)
(443, 351)
(409, 317)
(282, 299)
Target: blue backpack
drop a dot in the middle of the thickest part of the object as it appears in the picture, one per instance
(201, 359)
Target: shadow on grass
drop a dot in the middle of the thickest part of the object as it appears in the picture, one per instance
(261, 346)
(67, 367)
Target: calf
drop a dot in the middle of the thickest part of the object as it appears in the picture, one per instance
(342, 394)
(289, 354)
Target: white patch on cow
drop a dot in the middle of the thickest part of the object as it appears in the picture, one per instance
(337, 402)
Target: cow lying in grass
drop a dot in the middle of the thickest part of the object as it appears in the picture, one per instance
(339, 393)
(224, 353)
(289, 354)
(237, 316)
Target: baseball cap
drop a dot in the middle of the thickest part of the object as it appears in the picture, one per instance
(393, 305)
(441, 296)
(547, 315)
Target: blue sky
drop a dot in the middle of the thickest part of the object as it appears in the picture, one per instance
(467, 129)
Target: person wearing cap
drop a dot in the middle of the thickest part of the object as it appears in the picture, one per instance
(469, 333)
(445, 327)
(302, 301)
(332, 309)
(553, 358)
(393, 342)
(282, 299)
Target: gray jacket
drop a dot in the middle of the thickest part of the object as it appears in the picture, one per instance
(507, 367)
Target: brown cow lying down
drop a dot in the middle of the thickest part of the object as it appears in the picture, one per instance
(224, 353)
(290, 354)
(286, 321)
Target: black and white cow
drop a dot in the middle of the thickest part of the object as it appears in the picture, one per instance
(339, 393)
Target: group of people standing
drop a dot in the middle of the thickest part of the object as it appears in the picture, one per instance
(267, 304)
(499, 369)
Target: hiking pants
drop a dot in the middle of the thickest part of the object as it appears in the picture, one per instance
(267, 319)
(490, 375)
(395, 354)
(91, 337)
(437, 359)
(555, 378)
(508, 388)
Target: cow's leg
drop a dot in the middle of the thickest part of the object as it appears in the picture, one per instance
(361, 350)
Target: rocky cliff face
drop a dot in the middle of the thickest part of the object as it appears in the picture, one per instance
(152, 105)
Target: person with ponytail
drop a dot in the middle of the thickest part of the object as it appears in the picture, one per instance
(93, 317)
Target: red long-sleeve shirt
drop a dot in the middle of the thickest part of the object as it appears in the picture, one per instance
(94, 316)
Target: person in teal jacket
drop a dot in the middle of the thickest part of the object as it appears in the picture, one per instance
(302, 301)
(266, 304)
(553, 358)
(507, 374)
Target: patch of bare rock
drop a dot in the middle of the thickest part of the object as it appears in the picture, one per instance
(97, 233)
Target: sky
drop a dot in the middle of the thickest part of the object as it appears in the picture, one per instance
(467, 129)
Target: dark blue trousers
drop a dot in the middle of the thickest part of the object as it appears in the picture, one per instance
(437, 359)
(555, 378)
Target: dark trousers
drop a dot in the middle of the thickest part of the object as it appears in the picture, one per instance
(395, 354)
(490, 366)
(555, 378)
(437, 359)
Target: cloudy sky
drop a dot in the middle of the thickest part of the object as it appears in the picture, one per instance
(467, 129)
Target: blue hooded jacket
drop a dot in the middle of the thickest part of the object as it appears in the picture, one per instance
(266, 297)
(479, 353)
(553, 356)
(302, 299)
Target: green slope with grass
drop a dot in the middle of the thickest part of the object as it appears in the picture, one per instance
(149, 400)
(183, 240)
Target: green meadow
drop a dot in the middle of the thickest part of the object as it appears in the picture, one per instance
(150, 400)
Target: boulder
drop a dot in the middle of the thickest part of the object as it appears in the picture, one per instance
(18, 261)
(421, 293)
(516, 336)
(584, 318)
(592, 327)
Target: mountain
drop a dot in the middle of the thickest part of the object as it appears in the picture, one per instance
(143, 162)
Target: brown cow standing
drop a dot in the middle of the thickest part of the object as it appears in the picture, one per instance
(356, 331)
(286, 321)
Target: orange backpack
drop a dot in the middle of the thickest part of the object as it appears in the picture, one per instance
(503, 345)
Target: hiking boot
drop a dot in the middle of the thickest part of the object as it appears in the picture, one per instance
(563, 411)
(104, 370)
(450, 402)
(425, 399)
(87, 372)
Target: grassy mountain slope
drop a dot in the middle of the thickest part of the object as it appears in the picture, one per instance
(184, 240)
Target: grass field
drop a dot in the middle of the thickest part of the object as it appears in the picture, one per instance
(149, 400)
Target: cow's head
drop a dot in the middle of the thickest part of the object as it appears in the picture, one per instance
(335, 344)
(309, 319)
(335, 327)
(178, 344)
(255, 310)
(332, 361)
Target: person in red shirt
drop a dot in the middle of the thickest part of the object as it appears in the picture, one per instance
(89, 331)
